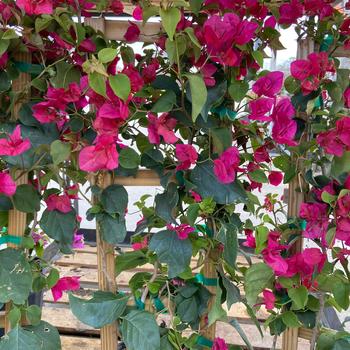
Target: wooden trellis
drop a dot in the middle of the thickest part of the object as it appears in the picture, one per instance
(115, 29)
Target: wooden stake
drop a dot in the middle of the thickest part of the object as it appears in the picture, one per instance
(17, 221)
(296, 195)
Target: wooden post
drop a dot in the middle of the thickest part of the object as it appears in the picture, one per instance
(106, 274)
(296, 195)
(105, 251)
(17, 221)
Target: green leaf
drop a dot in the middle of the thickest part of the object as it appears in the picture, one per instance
(166, 202)
(259, 57)
(170, 18)
(15, 276)
(238, 90)
(262, 233)
(199, 94)
(60, 151)
(26, 199)
(190, 32)
(114, 199)
(97, 82)
(290, 319)
(291, 84)
(217, 313)
(65, 74)
(187, 310)
(258, 176)
(52, 278)
(40, 337)
(233, 294)
(228, 237)
(140, 331)
(120, 85)
(341, 292)
(165, 103)
(14, 316)
(234, 323)
(256, 279)
(129, 158)
(102, 309)
(4, 44)
(42, 22)
(299, 297)
(172, 251)
(192, 213)
(113, 229)
(222, 139)
(5, 82)
(33, 314)
(129, 260)
(340, 165)
(207, 185)
(107, 55)
(196, 5)
(59, 226)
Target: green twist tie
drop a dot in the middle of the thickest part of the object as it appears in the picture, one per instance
(326, 43)
(29, 68)
(140, 304)
(11, 239)
(204, 341)
(158, 304)
(200, 278)
(3, 230)
(303, 224)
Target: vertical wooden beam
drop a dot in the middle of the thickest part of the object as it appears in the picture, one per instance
(106, 274)
(105, 251)
(17, 221)
(296, 195)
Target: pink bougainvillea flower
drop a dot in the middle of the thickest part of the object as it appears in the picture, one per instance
(132, 33)
(219, 344)
(149, 72)
(196, 196)
(64, 284)
(137, 13)
(7, 185)
(37, 7)
(187, 155)
(290, 12)
(14, 144)
(269, 299)
(117, 7)
(275, 178)
(140, 245)
(335, 141)
(182, 230)
(3, 60)
(59, 202)
(284, 130)
(72, 191)
(269, 85)
(226, 165)
(136, 81)
(113, 110)
(260, 108)
(87, 45)
(301, 69)
(347, 98)
(250, 239)
(161, 127)
(46, 112)
(208, 71)
(261, 155)
(78, 241)
(317, 219)
(102, 155)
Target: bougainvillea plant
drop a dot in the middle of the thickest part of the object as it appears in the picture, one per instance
(196, 107)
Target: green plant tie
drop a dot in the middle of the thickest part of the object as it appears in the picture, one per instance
(158, 304)
(140, 304)
(11, 239)
(326, 43)
(3, 230)
(30, 68)
(303, 224)
(204, 342)
(200, 278)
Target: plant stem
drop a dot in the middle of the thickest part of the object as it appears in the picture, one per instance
(315, 331)
(153, 278)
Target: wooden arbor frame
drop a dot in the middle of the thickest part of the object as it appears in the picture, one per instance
(115, 29)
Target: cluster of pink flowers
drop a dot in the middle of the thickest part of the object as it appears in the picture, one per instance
(187, 156)
(14, 144)
(182, 230)
(337, 140)
(225, 167)
(64, 284)
(311, 70)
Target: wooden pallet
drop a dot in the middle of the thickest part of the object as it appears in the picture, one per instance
(76, 335)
